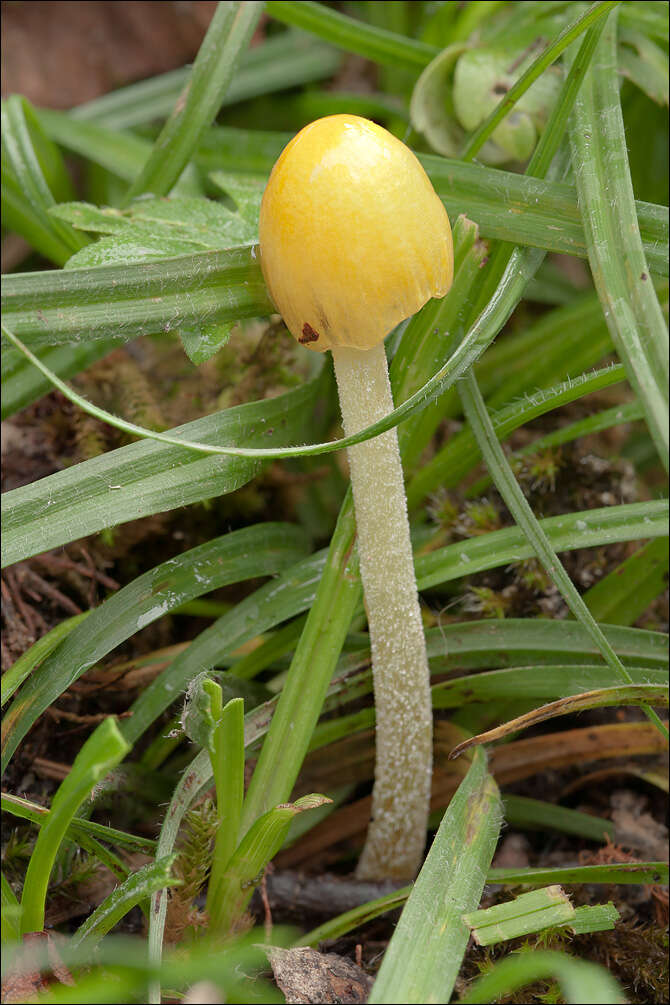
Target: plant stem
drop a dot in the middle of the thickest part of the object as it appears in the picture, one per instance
(400, 799)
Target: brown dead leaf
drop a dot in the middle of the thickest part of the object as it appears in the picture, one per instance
(523, 758)
(564, 706)
(59, 54)
(307, 976)
(510, 762)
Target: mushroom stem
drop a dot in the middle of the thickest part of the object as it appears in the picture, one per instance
(400, 799)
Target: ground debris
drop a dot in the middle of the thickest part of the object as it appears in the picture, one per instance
(203, 993)
(24, 979)
(305, 975)
(636, 829)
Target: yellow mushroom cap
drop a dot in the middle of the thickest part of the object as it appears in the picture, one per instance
(353, 237)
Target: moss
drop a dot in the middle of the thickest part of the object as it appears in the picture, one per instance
(637, 956)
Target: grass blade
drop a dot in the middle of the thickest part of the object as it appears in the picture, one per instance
(535, 70)
(517, 685)
(527, 913)
(626, 592)
(121, 152)
(34, 178)
(535, 814)
(378, 44)
(197, 774)
(515, 641)
(39, 651)
(147, 477)
(596, 423)
(651, 873)
(11, 913)
(581, 983)
(258, 846)
(521, 267)
(296, 591)
(462, 453)
(334, 928)
(23, 383)
(565, 533)
(420, 353)
(469, 645)
(627, 694)
(561, 681)
(507, 485)
(194, 779)
(358, 916)
(259, 550)
(142, 298)
(287, 595)
(228, 33)
(425, 954)
(26, 810)
(139, 886)
(312, 667)
(227, 756)
(148, 434)
(281, 62)
(102, 751)
(566, 342)
(618, 263)
(506, 206)
(651, 19)
(594, 918)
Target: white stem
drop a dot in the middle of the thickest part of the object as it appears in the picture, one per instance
(401, 795)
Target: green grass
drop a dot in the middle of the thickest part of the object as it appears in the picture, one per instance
(550, 347)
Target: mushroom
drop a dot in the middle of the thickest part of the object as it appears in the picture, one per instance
(353, 240)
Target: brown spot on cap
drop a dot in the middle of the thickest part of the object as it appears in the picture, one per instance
(308, 334)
